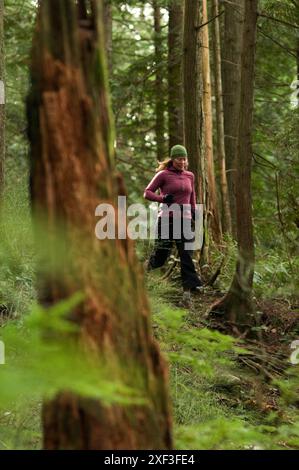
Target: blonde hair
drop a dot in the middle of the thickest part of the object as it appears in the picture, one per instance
(164, 164)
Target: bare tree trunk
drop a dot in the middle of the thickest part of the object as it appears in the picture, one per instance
(298, 69)
(193, 114)
(193, 111)
(226, 217)
(233, 24)
(160, 106)
(108, 33)
(238, 304)
(212, 206)
(2, 98)
(72, 171)
(175, 73)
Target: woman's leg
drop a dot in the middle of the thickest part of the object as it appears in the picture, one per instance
(161, 251)
(190, 278)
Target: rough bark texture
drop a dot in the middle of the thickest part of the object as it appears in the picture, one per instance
(72, 171)
(233, 24)
(212, 205)
(193, 115)
(238, 304)
(175, 73)
(226, 217)
(2, 97)
(160, 105)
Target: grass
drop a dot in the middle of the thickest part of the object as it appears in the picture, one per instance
(20, 426)
(220, 404)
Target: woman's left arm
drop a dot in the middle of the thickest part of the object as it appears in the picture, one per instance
(152, 187)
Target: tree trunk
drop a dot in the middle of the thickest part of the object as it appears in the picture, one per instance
(108, 33)
(175, 73)
(212, 206)
(160, 121)
(2, 98)
(233, 24)
(72, 171)
(193, 115)
(226, 217)
(238, 304)
(297, 43)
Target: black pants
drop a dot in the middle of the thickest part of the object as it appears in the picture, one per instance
(163, 247)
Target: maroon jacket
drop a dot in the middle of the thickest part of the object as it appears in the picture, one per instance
(171, 181)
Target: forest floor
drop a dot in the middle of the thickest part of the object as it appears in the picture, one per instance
(227, 392)
(235, 404)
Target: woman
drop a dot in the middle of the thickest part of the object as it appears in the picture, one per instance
(176, 186)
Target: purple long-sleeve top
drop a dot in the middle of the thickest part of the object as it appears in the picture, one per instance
(178, 183)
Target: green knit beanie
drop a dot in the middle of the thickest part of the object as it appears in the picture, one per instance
(178, 151)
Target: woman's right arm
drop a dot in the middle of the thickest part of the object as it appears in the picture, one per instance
(152, 187)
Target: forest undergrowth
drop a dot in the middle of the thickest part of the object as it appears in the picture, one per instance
(230, 392)
(227, 392)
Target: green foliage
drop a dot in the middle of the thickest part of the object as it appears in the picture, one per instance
(289, 386)
(17, 255)
(16, 248)
(18, 28)
(20, 425)
(204, 351)
(209, 388)
(45, 355)
(275, 163)
(133, 90)
(221, 434)
(275, 275)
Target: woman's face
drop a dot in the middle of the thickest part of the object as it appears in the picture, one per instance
(180, 163)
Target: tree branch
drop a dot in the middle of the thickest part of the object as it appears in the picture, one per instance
(286, 23)
(212, 19)
(277, 43)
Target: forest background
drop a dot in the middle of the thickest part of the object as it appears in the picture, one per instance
(223, 393)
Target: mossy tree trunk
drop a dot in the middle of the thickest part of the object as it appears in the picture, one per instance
(175, 73)
(193, 114)
(231, 68)
(238, 304)
(108, 25)
(2, 97)
(193, 108)
(226, 217)
(72, 171)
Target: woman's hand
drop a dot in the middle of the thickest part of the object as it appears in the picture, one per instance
(168, 199)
